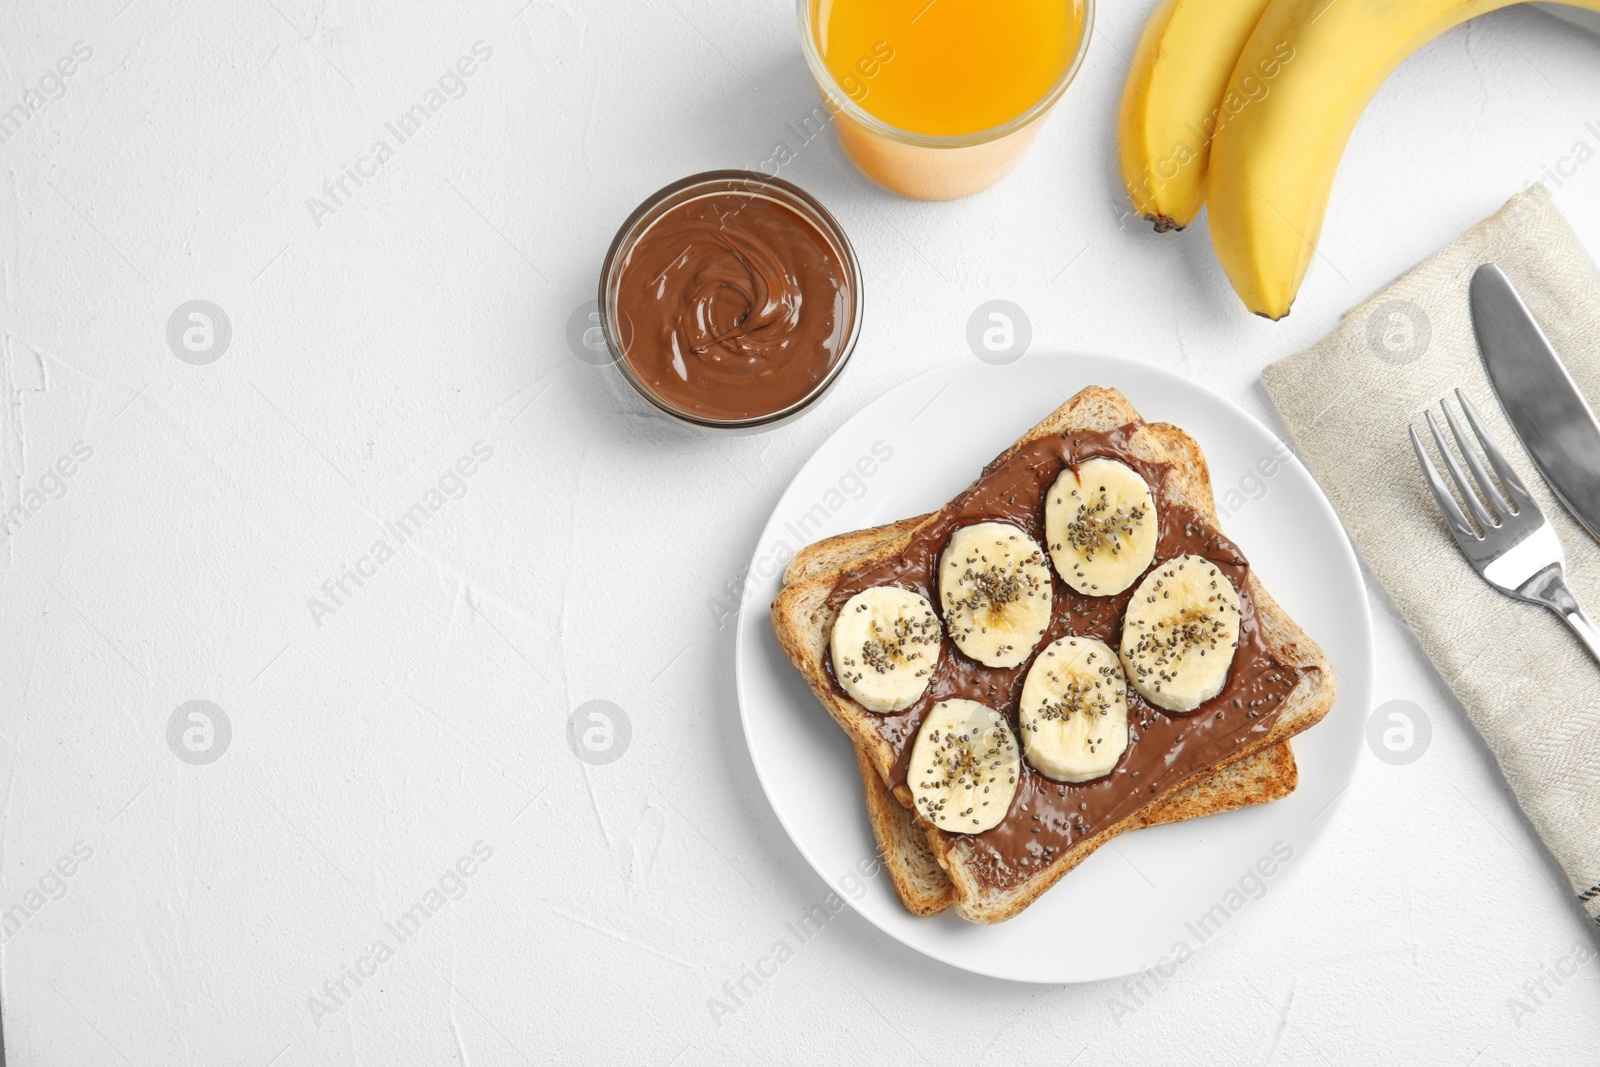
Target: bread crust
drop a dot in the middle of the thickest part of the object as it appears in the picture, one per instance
(802, 621)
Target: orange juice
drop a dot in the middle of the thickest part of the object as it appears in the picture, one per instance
(954, 66)
(938, 98)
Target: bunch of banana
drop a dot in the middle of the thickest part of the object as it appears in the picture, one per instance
(1278, 127)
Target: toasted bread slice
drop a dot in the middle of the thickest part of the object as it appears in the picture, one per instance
(803, 620)
(923, 886)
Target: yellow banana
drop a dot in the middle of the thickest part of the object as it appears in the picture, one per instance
(1171, 102)
(1301, 82)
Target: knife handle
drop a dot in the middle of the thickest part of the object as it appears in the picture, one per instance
(1551, 591)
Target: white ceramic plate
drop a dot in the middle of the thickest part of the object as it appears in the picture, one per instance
(1154, 895)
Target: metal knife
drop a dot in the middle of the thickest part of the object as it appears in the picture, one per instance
(1541, 401)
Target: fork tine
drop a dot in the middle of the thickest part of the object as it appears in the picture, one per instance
(1485, 522)
(1497, 460)
(1486, 484)
(1457, 522)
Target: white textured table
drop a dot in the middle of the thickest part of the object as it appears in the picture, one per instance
(395, 857)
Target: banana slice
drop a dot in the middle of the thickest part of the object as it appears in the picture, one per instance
(1180, 633)
(995, 588)
(1100, 523)
(964, 767)
(885, 643)
(1074, 715)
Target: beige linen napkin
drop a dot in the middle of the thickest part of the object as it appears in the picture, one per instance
(1524, 680)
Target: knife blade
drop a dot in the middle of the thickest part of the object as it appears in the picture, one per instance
(1539, 397)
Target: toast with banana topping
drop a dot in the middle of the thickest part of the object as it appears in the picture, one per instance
(1069, 649)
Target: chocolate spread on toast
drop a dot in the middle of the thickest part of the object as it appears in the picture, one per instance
(1165, 748)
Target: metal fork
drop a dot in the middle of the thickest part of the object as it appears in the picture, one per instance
(1518, 551)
